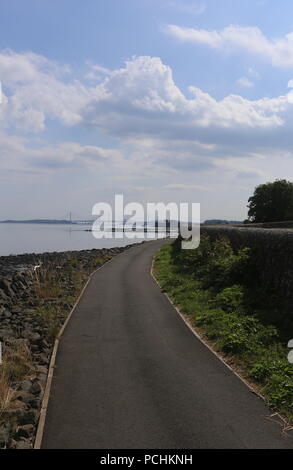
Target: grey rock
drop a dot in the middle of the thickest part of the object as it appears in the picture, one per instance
(35, 403)
(4, 435)
(5, 285)
(43, 359)
(25, 431)
(36, 388)
(6, 334)
(12, 415)
(25, 385)
(16, 309)
(35, 337)
(24, 444)
(7, 314)
(25, 397)
(43, 379)
(3, 295)
(29, 417)
(11, 444)
(42, 370)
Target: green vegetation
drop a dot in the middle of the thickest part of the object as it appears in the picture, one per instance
(48, 290)
(52, 319)
(57, 289)
(271, 202)
(212, 285)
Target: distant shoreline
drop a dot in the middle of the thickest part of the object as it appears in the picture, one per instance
(90, 222)
(38, 221)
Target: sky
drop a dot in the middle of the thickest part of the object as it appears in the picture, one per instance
(158, 100)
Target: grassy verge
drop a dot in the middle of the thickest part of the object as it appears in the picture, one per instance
(209, 286)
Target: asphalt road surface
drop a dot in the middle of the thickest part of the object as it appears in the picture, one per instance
(131, 375)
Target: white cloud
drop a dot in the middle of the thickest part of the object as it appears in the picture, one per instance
(279, 51)
(26, 67)
(72, 154)
(241, 165)
(21, 154)
(188, 187)
(97, 72)
(245, 82)
(142, 108)
(35, 89)
(142, 98)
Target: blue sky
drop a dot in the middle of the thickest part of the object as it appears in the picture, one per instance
(161, 100)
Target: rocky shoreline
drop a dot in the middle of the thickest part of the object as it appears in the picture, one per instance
(37, 292)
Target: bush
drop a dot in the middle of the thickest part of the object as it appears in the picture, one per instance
(214, 263)
(234, 333)
(231, 299)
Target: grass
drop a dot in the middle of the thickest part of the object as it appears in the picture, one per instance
(48, 289)
(51, 317)
(102, 259)
(17, 360)
(209, 287)
(7, 393)
(16, 365)
(57, 287)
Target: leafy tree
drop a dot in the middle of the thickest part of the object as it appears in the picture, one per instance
(271, 202)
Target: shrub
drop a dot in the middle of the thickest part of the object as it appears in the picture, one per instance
(230, 299)
(214, 263)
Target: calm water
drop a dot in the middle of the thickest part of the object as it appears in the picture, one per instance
(39, 238)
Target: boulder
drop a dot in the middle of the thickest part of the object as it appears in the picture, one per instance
(29, 417)
(26, 431)
(24, 444)
(5, 285)
(4, 435)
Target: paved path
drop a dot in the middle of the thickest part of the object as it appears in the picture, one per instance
(130, 374)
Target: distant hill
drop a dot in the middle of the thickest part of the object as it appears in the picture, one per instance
(222, 222)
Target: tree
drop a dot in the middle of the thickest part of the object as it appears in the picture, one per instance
(271, 202)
